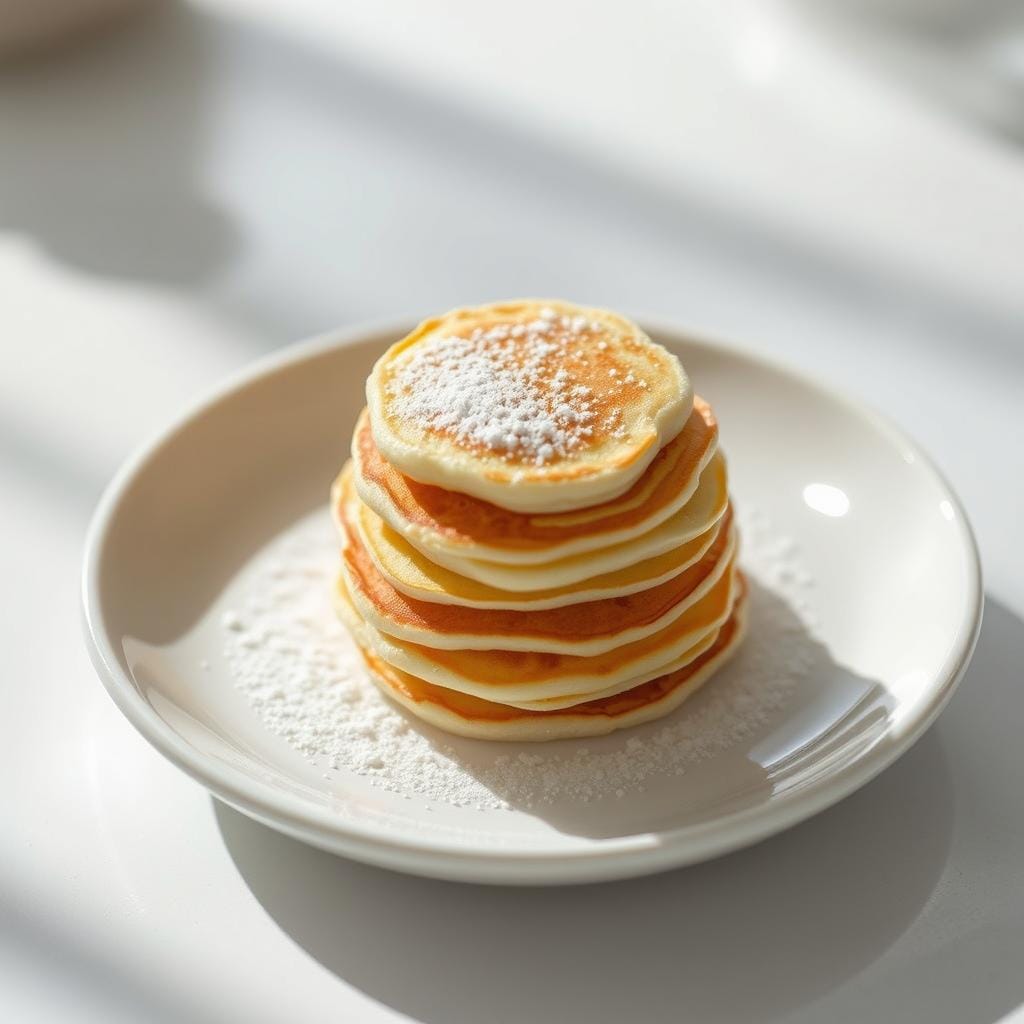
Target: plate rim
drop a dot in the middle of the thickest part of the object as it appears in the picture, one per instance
(439, 857)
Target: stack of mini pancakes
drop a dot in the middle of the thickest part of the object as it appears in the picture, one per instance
(537, 536)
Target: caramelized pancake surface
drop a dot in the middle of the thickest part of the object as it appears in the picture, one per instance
(535, 406)
(512, 677)
(436, 519)
(586, 628)
(705, 508)
(409, 571)
(466, 715)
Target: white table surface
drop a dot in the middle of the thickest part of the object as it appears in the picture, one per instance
(207, 184)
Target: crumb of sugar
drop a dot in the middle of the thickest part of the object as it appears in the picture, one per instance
(233, 621)
(504, 389)
(300, 671)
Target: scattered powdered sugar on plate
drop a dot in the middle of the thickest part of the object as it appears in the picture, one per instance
(294, 662)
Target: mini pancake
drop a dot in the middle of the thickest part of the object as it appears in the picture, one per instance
(575, 699)
(534, 406)
(697, 516)
(364, 635)
(512, 677)
(480, 719)
(435, 519)
(411, 573)
(588, 628)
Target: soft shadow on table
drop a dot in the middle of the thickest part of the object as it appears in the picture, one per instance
(751, 937)
(116, 192)
(762, 934)
(740, 939)
(129, 190)
(856, 707)
(797, 926)
(960, 58)
(88, 975)
(965, 964)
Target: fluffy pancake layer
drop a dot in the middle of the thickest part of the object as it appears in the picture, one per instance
(696, 517)
(590, 627)
(515, 677)
(534, 406)
(411, 573)
(446, 522)
(474, 717)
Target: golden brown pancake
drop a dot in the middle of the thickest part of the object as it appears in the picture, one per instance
(705, 508)
(514, 677)
(435, 519)
(695, 518)
(587, 628)
(466, 715)
(409, 571)
(532, 405)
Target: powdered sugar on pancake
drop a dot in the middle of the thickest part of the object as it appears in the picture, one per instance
(509, 390)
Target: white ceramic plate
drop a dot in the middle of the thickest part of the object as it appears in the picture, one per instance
(866, 606)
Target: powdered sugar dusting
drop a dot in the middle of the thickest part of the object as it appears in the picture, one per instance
(298, 668)
(508, 390)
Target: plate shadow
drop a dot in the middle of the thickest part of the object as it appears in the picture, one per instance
(753, 687)
(765, 933)
(744, 938)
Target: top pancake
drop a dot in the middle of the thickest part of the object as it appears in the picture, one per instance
(534, 406)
